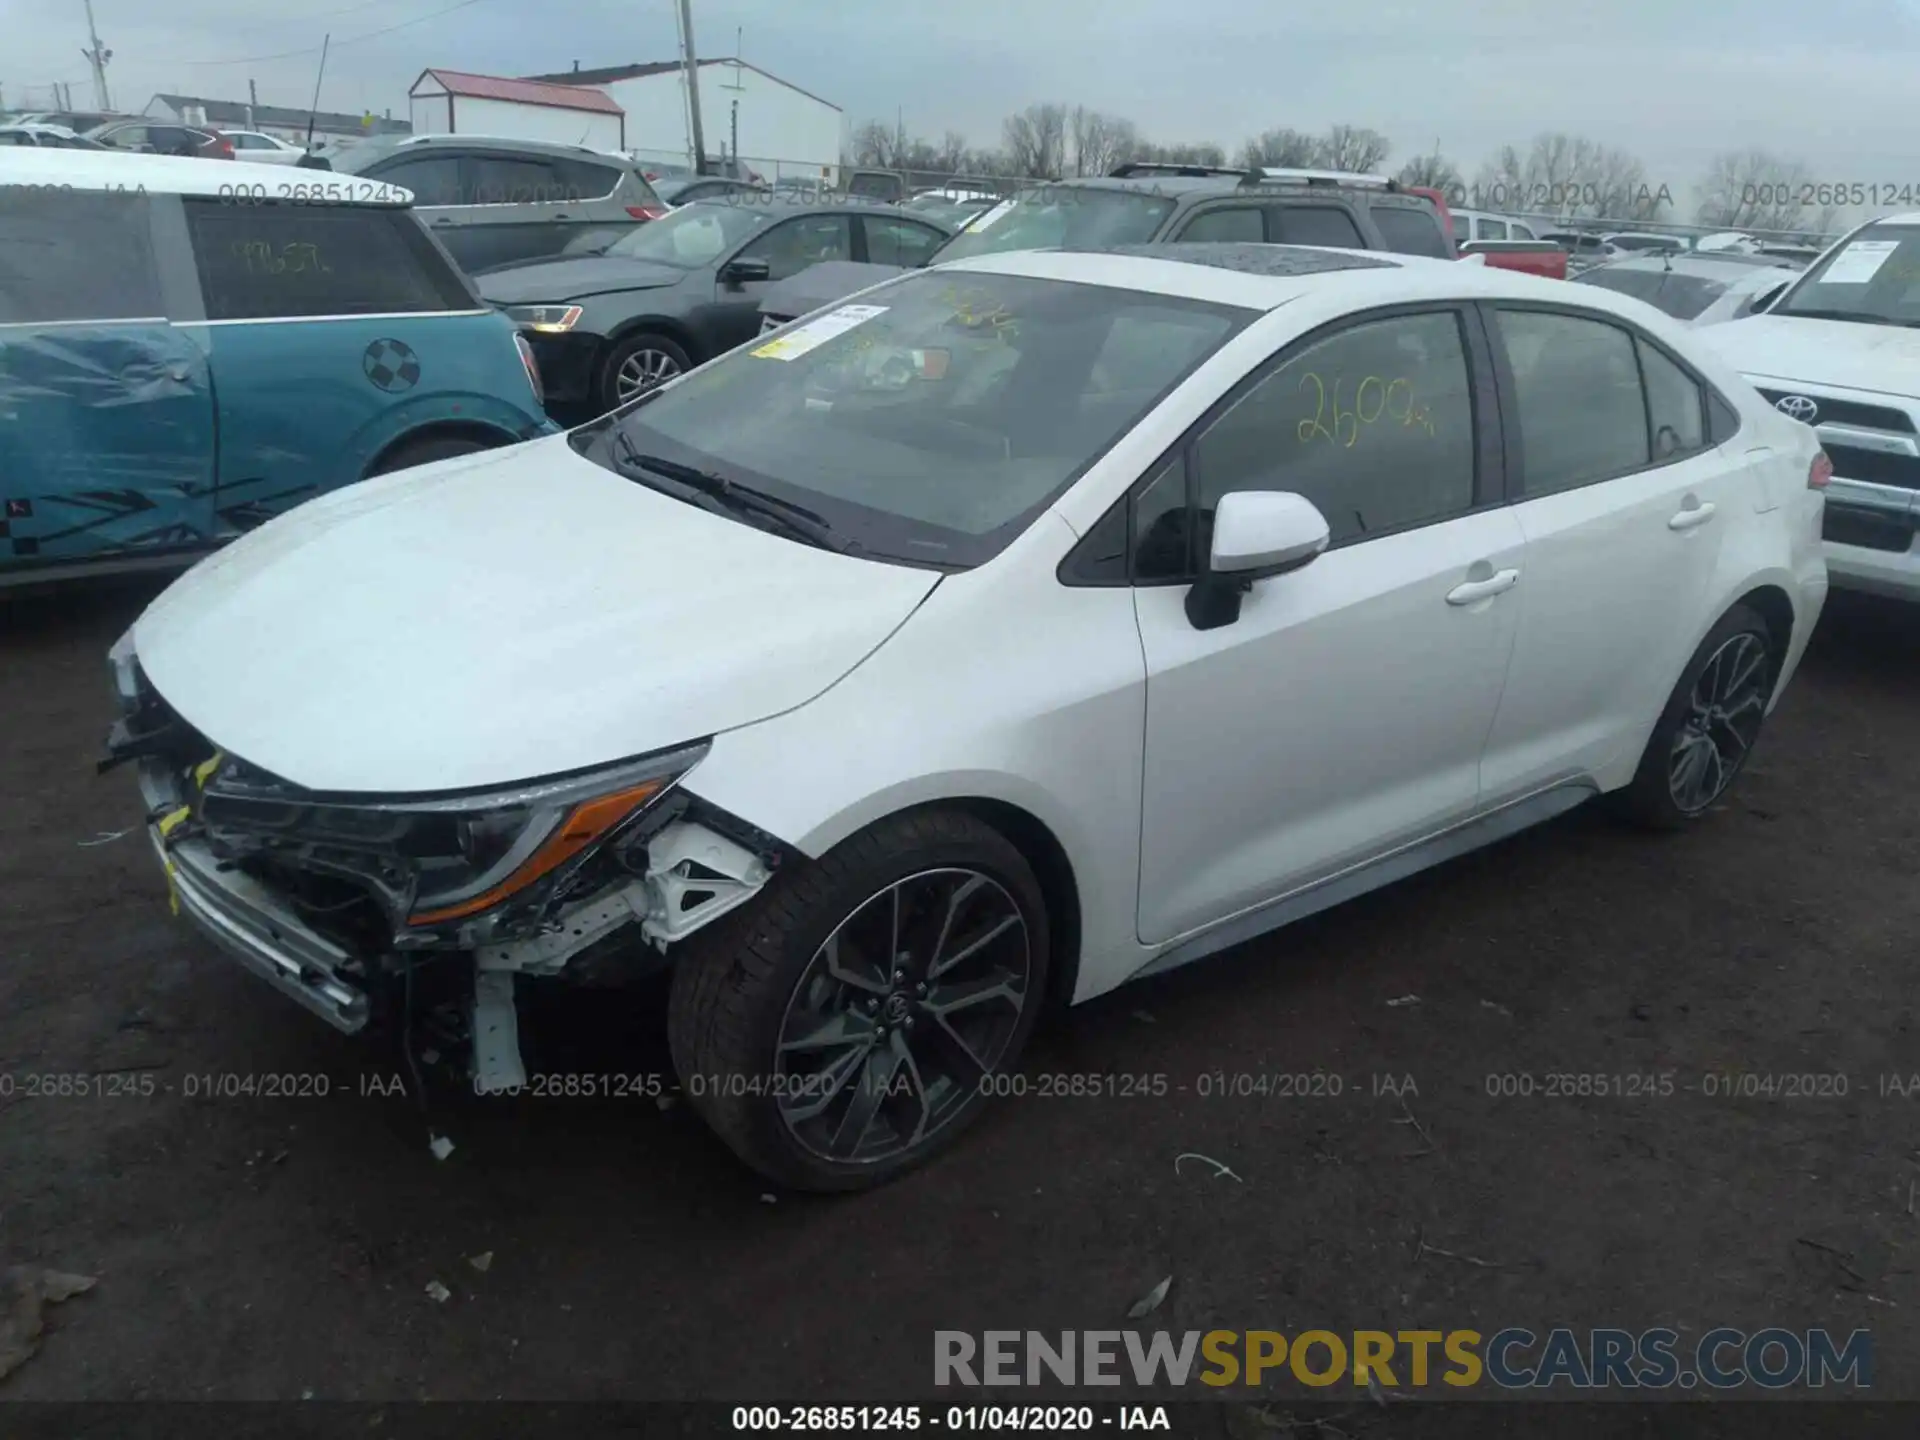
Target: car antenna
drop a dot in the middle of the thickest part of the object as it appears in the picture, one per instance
(313, 114)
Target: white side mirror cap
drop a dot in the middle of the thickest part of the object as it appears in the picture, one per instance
(1257, 533)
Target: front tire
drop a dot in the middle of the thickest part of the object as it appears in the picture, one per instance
(846, 1025)
(637, 364)
(1709, 726)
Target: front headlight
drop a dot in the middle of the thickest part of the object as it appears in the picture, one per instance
(548, 319)
(446, 861)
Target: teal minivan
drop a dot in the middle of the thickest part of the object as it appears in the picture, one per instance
(189, 347)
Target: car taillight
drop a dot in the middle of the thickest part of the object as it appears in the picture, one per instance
(647, 212)
(532, 367)
(1820, 472)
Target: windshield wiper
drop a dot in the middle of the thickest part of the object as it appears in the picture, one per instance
(1857, 317)
(734, 498)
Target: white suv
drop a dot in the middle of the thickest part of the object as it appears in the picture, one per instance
(1837, 351)
(1029, 625)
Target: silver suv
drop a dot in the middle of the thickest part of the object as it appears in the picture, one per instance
(497, 202)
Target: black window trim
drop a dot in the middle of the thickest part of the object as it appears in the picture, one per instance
(1077, 569)
(1710, 433)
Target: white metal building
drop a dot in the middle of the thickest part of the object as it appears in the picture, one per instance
(774, 126)
(452, 102)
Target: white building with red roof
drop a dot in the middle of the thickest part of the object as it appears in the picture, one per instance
(453, 102)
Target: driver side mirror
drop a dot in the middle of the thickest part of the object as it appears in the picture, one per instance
(1257, 534)
(738, 272)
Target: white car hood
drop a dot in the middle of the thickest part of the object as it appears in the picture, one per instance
(503, 617)
(1883, 358)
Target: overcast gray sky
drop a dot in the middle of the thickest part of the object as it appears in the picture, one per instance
(1668, 81)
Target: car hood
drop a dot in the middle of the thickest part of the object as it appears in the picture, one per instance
(1881, 358)
(822, 284)
(574, 279)
(492, 619)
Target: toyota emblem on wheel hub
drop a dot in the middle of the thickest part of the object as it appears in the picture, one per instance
(1797, 407)
(896, 1008)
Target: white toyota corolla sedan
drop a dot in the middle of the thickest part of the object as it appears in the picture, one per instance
(1021, 628)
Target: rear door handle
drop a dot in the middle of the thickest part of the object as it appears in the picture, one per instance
(1496, 584)
(1688, 519)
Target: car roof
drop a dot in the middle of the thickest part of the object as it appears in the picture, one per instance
(394, 144)
(1710, 265)
(781, 207)
(176, 175)
(1371, 277)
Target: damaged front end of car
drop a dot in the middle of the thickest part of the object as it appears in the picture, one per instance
(339, 900)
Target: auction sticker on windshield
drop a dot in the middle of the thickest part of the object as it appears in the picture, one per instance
(1859, 262)
(816, 333)
(988, 219)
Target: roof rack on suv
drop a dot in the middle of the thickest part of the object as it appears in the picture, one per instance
(1333, 177)
(1176, 167)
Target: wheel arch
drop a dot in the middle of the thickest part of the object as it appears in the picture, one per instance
(1775, 607)
(1036, 840)
(492, 436)
(677, 331)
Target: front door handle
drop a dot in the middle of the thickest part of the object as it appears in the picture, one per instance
(1496, 584)
(1688, 519)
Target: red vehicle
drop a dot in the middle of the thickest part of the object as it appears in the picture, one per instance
(150, 137)
(1531, 257)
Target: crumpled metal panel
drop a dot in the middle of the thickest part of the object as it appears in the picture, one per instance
(106, 441)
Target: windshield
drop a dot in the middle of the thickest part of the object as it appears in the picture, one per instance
(693, 236)
(931, 422)
(1874, 277)
(1056, 216)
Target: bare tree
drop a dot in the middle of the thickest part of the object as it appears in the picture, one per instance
(1353, 148)
(873, 144)
(1283, 149)
(1100, 141)
(952, 151)
(1433, 172)
(1180, 153)
(1569, 177)
(1754, 190)
(1036, 140)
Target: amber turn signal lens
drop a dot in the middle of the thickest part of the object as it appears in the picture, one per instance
(586, 824)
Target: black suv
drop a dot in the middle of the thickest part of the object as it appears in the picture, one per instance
(1144, 202)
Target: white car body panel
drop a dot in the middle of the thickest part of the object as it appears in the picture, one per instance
(437, 630)
(501, 617)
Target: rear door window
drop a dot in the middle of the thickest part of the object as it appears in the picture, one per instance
(515, 180)
(1231, 223)
(75, 255)
(1583, 414)
(433, 179)
(272, 261)
(1313, 225)
(1493, 230)
(899, 242)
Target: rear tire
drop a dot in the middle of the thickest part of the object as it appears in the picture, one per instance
(425, 451)
(829, 1064)
(1709, 726)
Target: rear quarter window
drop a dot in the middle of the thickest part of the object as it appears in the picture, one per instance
(584, 180)
(273, 261)
(75, 255)
(1411, 230)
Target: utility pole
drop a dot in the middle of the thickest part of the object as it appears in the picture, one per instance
(692, 68)
(97, 57)
(253, 99)
(736, 135)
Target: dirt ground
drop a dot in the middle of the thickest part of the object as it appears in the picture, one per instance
(273, 1248)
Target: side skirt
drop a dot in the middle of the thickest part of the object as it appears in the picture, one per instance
(1372, 874)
